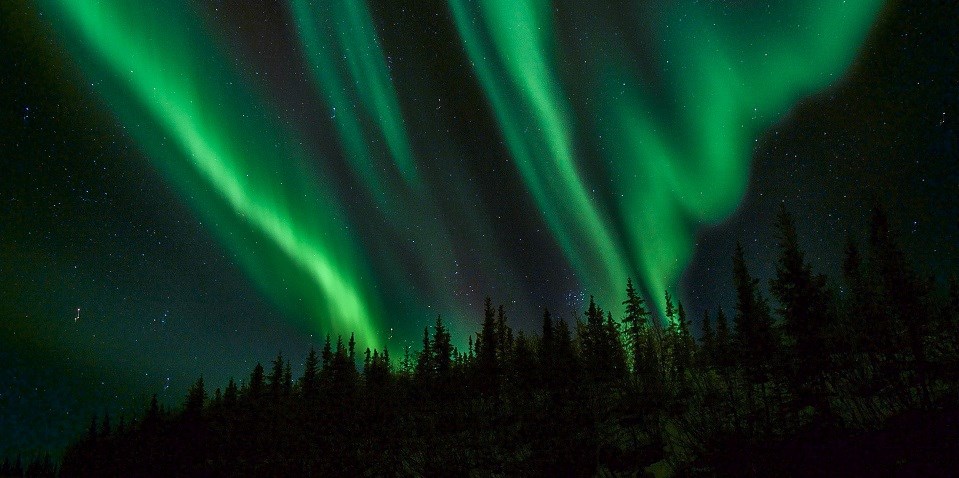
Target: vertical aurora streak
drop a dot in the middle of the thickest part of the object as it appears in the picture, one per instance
(350, 70)
(677, 131)
(229, 153)
(517, 70)
(630, 126)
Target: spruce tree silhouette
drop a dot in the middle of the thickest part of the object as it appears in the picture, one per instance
(857, 382)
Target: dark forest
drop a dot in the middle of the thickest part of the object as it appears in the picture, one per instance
(805, 376)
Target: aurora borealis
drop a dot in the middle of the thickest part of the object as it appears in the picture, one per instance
(678, 148)
(244, 169)
(351, 166)
(676, 131)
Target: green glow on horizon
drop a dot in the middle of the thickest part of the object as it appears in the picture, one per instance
(680, 146)
(241, 166)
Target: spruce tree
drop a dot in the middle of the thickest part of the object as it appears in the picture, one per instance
(504, 334)
(804, 309)
(309, 384)
(591, 342)
(486, 351)
(327, 356)
(724, 352)
(152, 416)
(547, 345)
(442, 348)
(231, 394)
(685, 346)
(524, 371)
(287, 380)
(257, 384)
(275, 380)
(706, 356)
(195, 398)
(755, 341)
(613, 346)
(669, 312)
(386, 359)
(407, 364)
(367, 363)
(669, 345)
(903, 296)
(105, 429)
(566, 362)
(425, 366)
(636, 321)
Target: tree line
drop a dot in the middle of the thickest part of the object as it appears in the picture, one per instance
(852, 376)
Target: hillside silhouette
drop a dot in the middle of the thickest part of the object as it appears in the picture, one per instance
(805, 376)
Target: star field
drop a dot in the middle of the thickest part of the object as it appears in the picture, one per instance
(213, 184)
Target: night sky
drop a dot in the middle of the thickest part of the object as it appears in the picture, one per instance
(188, 188)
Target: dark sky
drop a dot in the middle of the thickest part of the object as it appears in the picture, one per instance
(169, 287)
